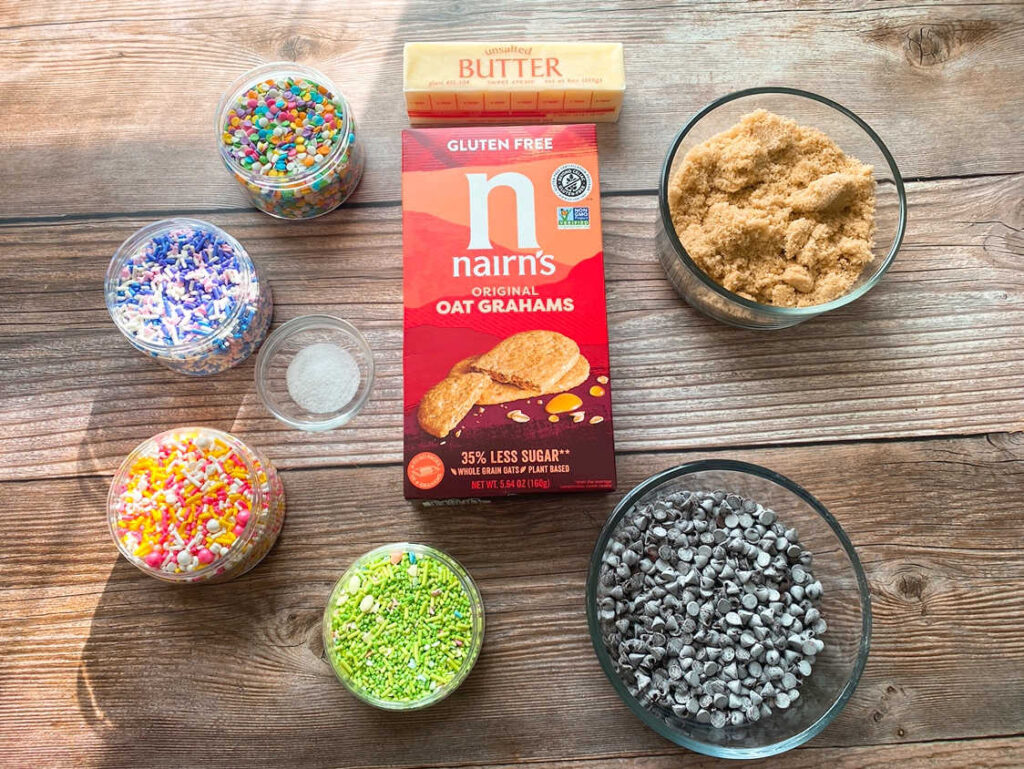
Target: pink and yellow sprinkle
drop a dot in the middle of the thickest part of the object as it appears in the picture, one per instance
(185, 503)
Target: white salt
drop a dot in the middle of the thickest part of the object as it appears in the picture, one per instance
(322, 378)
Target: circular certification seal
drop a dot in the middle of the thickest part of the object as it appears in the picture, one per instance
(571, 182)
(425, 470)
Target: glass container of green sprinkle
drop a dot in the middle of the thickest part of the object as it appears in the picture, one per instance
(288, 136)
(403, 626)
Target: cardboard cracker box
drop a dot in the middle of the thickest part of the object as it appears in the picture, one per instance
(506, 371)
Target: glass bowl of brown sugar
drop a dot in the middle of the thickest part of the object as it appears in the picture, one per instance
(777, 205)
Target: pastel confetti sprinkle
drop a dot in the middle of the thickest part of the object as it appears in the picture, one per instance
(290, 140)
(283, 126)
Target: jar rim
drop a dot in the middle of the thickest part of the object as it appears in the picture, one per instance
(256, 75)
(683, 256)
(134, 242)
(258, 501)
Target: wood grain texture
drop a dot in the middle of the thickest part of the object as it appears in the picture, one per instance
(104, 662)
(978, 754)
(902, 411)
(139, 83)
(936, 348)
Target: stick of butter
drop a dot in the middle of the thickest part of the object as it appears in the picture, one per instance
(447, 83)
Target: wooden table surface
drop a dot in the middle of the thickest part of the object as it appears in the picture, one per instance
(901, 413)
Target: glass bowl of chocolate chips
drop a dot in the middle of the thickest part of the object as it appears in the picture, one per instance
(729, 609)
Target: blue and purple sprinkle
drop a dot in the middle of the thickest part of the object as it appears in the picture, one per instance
(179, 288)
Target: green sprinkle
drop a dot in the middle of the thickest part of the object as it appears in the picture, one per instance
(400, 634)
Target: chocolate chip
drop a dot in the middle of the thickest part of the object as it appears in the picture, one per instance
(697, 594)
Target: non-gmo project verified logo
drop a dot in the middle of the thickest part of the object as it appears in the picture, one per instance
(573, 218)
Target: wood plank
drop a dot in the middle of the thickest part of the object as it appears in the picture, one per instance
(936, 348)
(102, 667)
(993, 754)
(102, 662)
(138, 83)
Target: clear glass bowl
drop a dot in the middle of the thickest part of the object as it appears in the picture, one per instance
(281, 348)
(310, 193)
(845, 605)
(253, 543)
(477, 626)
(850, 132)
(230, 341)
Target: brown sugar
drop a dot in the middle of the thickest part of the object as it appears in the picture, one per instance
(775, 212)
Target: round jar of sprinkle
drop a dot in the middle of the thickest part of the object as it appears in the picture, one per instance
(195, 504)
(403, 626)
(288, 136)
(186, 293)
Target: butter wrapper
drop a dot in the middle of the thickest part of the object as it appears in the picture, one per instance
(512, 83)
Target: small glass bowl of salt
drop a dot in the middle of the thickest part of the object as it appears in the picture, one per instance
(315, 372)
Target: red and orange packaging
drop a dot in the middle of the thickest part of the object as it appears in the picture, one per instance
(506, 338)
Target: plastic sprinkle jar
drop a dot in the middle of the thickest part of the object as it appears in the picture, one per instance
(186, 293)
(194, 504)
(403, 626)
(287, 134)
